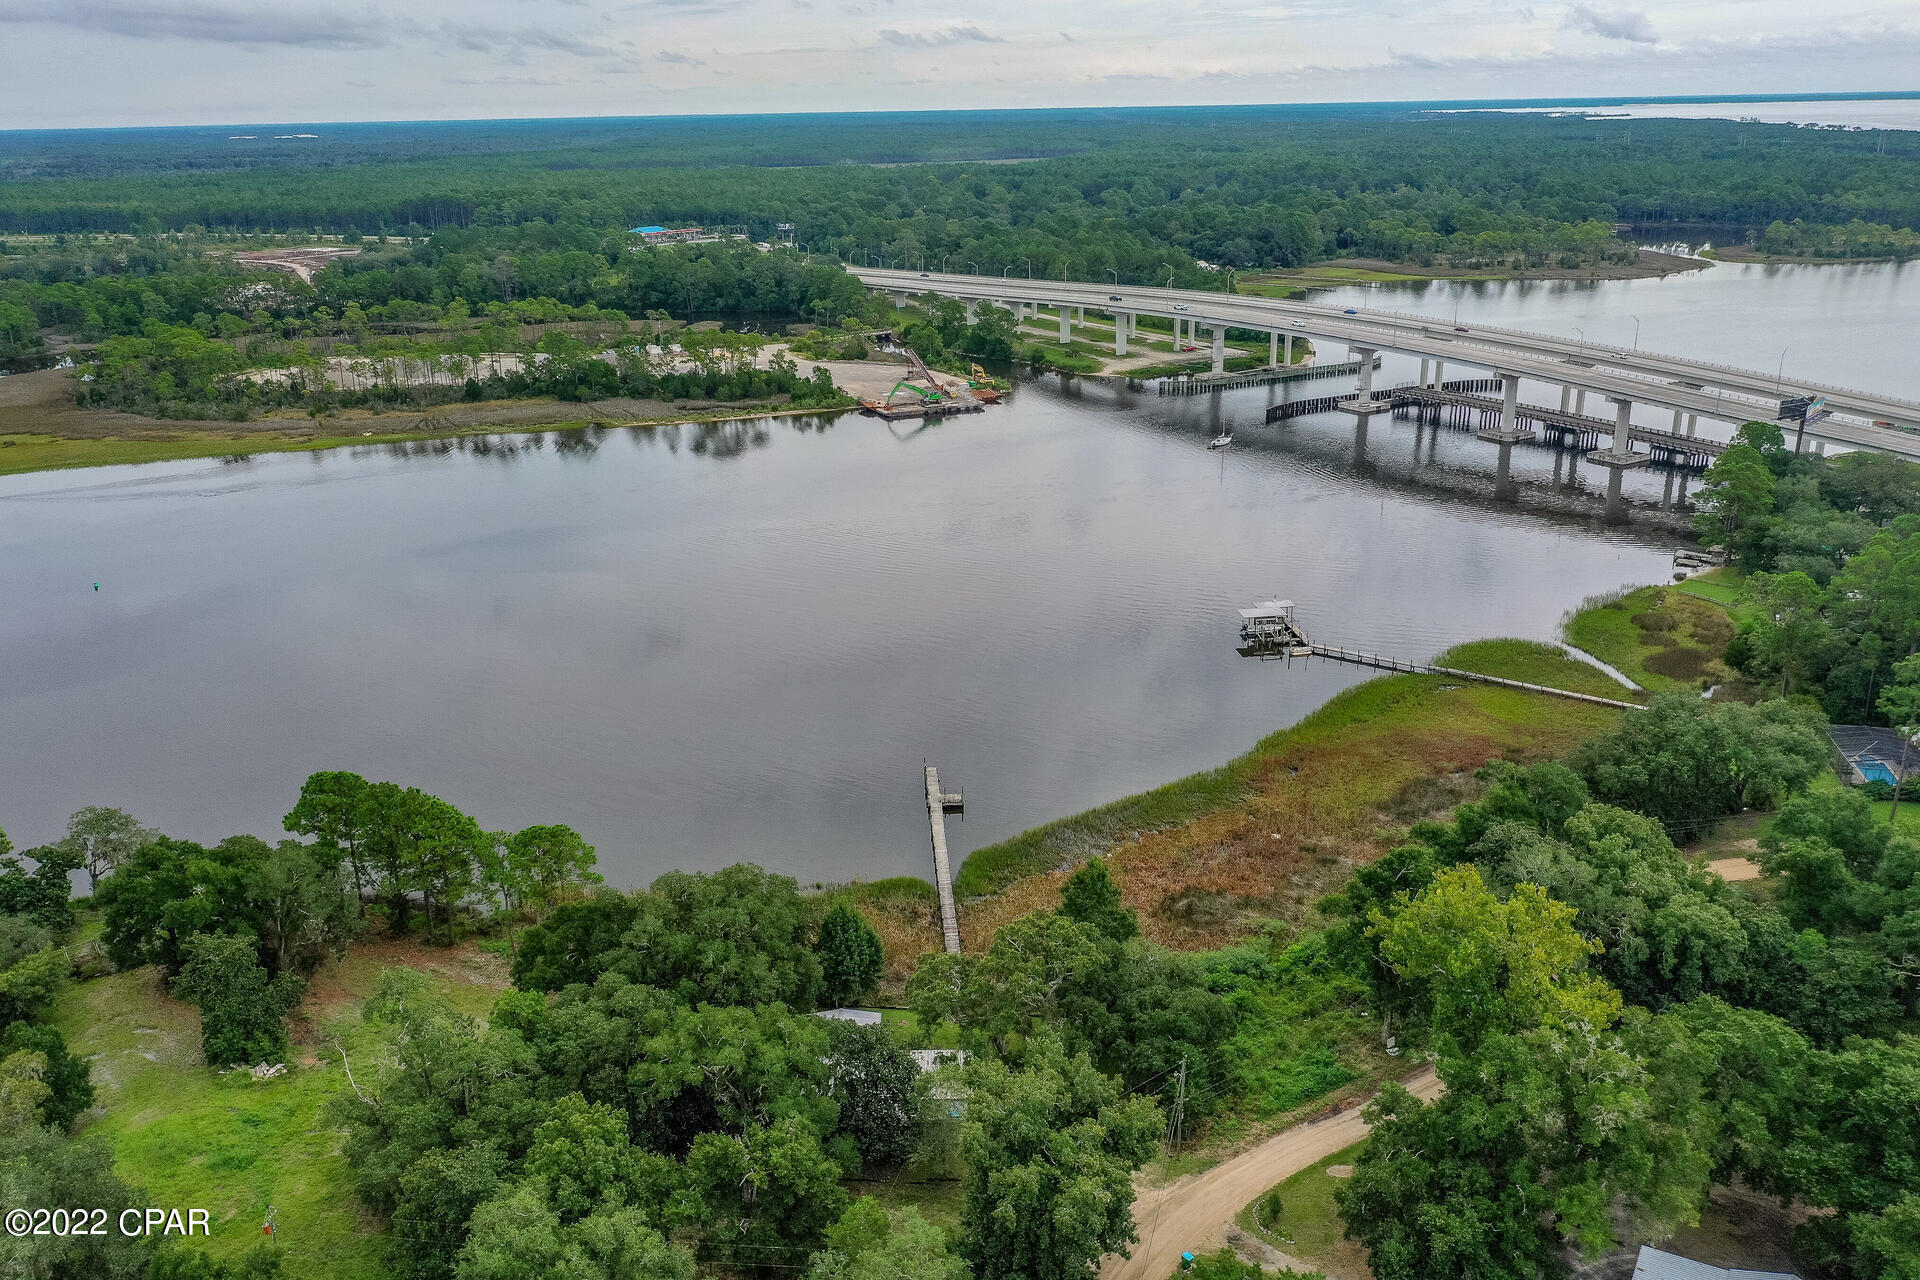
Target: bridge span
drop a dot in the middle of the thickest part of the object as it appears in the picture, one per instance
(1691, 389)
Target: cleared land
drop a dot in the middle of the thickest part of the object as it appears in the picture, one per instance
(233, 1144)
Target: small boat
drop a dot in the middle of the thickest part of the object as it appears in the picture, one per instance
(1221, 441)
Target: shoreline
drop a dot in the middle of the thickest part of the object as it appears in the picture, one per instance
(50, 452)
(1747, 253)
(1340, 273)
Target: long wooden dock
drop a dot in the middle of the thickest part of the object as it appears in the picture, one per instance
(939, 805)
(1360, 658)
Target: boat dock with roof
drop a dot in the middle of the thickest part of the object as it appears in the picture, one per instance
(1269, 629)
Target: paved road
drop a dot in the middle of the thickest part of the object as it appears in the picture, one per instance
(1713, 391)
(1195, 1212)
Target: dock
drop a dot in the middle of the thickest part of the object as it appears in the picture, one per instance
(1383, 663)
(939, 805)
(1269, 630)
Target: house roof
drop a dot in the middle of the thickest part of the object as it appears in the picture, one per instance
(646, 231)
(1657, 1264)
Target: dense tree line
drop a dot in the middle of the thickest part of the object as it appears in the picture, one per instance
(1135, 192)
(1833, 593)
(1619, 1029)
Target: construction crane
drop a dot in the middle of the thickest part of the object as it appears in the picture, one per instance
(933, 396)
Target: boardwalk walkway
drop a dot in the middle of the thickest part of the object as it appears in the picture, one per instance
(1360, 658)
(939, 804)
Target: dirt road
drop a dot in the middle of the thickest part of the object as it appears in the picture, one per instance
(1195, 1212)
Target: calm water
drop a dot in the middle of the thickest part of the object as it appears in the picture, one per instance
(1855, 113)
(704, 644)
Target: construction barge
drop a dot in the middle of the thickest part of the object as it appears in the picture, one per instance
(921, 395)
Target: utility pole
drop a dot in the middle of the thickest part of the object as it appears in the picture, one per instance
(1179, 1106)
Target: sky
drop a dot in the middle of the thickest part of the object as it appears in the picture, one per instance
(154, 62)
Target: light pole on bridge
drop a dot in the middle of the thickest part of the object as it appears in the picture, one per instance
(1029, 262)
(1115, 273)
(1636, 332)
(974, 265)
(1005, 269)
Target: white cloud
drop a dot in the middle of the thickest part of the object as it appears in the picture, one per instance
(1624, 24)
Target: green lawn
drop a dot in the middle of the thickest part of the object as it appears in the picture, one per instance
(1909, 819)
(1722, 586)
(196, 1138)
(1309, 1226)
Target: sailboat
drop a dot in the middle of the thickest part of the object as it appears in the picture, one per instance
(1221, 441)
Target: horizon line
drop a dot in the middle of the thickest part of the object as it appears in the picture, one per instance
(1853, 95)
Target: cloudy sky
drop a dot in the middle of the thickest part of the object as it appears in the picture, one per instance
(117, 62)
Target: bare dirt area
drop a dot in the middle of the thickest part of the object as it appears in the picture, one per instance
(1196, 1213)
(302, 262)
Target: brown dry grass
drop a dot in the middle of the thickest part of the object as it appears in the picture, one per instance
(1329, 795)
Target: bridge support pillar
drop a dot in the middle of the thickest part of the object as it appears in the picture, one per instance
(1273, 349)
(1503, 486)
(1219, 348)
(1580, 401)
(1121, 323)
(1676, 422)
(1439, 373)
(1362, 402)
(1566, 395)
(1618, 457)
(1066, 324)
(1286, 351)
(973, 311)
(1507, 432)
(1079, 315)
(1423, 372)
(1693, 420)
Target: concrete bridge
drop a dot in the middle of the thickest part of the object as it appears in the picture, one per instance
(1690, 389)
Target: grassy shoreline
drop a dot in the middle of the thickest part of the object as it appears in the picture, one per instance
(21, 453)
(1268, 831)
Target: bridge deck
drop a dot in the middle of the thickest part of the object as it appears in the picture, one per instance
(1863, 419)
(1560, 420)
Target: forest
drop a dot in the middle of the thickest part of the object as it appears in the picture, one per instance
(1134, 193)
(1832, 558)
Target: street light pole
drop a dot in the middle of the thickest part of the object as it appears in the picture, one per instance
(1636, 332)
(1005, 269)
(1029, 262)
(974, 265)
